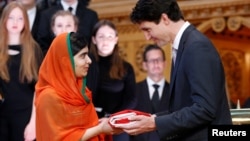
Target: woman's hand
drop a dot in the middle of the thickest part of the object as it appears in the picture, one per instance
(30, 132)
(106, 127)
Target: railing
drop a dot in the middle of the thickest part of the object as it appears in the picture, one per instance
(240, 116)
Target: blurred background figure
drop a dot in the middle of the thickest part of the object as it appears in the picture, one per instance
(20, 59)
(87, 19)
(34, 13)
(64, 21)
(3, 3)
(44, 4)
(48, 3)
(110, 78)
(152, 100)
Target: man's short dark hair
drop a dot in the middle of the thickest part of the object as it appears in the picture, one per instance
(152, 10)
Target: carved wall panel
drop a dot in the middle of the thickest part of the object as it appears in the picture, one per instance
(233, 61)
(231, 37)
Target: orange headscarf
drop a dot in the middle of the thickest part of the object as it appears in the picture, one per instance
(62, 113)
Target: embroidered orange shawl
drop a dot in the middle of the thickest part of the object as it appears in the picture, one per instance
(62, 114)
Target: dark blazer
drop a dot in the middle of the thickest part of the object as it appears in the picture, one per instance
(87, 19)
(112, 95)
(144, 104)
(197, 91)
(34, 29)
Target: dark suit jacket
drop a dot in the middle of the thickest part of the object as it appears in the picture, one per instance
(113, 95)
(34, 29)
(144, 104)
(87, 19)
(197, 91)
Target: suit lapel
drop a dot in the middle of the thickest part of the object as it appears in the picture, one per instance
(34, 28)
(145, 96)
(80, 8)
(165, 97)
(179, 55)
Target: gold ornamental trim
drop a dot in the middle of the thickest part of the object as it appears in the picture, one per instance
(204, 13)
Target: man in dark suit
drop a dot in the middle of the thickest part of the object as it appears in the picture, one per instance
(154, 63)
(33, 12)
(48, 3)
(87, 19)
(2, 5)
(197, 85)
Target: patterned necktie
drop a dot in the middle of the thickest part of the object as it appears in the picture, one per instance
(155, 99)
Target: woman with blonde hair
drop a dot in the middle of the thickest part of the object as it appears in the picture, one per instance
(20, 59)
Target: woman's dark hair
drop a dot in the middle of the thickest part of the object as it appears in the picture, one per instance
(152, 10)
(94, 49)
(78, 42)
(117, 70)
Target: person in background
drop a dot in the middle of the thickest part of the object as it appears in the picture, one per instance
(111, 79)
(197, 83)
(45, 4)
(87, 19)
(64, 21)
(20, 57)
(34, 13)
(2, 5)
(154, 63)
(48, 3)
(64, 107)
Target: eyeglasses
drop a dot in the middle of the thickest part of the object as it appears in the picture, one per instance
(106, 38)
(153, 61)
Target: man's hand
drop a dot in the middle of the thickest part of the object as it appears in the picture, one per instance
(138, 124)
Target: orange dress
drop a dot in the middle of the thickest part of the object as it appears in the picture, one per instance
(62, 113)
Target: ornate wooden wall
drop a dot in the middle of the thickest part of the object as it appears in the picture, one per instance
(225, 22)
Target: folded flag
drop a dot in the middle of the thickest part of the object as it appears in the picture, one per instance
(122, 117)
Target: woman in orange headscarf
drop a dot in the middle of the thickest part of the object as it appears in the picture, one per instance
(64, 108)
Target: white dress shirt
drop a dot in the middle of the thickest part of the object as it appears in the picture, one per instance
(66, 6)
(151, 88)
(31, 15)
(177, 39)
